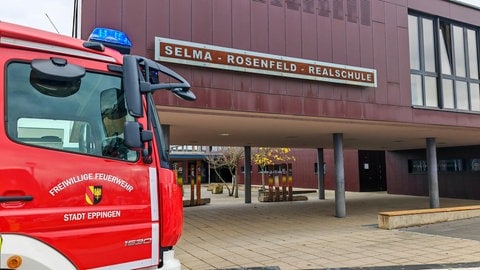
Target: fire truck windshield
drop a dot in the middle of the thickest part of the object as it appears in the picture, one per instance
(84, 115)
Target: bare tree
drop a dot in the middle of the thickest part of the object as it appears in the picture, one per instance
(229, 158)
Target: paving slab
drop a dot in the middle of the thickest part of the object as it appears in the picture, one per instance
(465, 229)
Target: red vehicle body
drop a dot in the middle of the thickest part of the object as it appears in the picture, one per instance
(84, 182)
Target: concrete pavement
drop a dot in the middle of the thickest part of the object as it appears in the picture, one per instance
(229, 234)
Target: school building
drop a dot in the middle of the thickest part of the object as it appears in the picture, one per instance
(385, 93)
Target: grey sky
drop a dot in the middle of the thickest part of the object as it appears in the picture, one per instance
(471, 2)
(32, 13)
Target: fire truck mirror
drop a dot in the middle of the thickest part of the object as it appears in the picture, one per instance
(184, 93)
(55, 77)
(131, 84)
(132, 135)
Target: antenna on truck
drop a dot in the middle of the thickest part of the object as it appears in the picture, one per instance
(48, 17)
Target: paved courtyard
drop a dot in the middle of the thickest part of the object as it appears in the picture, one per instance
(229, 234)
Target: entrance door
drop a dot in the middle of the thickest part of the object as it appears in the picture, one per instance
(371, 166)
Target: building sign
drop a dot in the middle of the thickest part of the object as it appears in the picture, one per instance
(196, 54)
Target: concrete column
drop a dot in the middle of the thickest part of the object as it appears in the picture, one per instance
(340, 205)
(248, 174)
(432, 173)
(321, 174)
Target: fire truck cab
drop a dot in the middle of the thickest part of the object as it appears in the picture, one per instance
(84, 177)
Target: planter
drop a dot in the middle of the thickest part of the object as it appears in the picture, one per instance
(215, 188)
(263, 195)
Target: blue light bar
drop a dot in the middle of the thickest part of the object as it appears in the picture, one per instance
(111, 38)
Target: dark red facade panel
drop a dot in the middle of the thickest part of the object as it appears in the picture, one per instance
(181, 20)
(136, 12)
(324, 39)
(391, 43)
(309, 35)
(202, 22)
(405, 98)
(259, 27)
(222, 24)
(157, 21)
(241, 23)
(276, 33)
(293, 33)
(353, 44)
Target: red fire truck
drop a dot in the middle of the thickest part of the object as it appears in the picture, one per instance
(84, 175)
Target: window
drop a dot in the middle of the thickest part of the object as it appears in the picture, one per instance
(89, 121)
(276, 168)
(443, 64)
(419, 166)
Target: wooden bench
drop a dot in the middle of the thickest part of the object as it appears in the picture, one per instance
(408, 218)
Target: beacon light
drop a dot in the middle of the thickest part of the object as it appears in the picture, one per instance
(114, 39)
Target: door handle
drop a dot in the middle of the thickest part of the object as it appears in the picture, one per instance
(25, 198)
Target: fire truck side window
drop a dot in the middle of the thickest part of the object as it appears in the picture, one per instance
(114, 113)
(88, 121)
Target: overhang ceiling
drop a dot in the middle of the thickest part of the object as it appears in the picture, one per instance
(228, 128)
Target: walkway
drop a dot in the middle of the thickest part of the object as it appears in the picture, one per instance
(229, 234)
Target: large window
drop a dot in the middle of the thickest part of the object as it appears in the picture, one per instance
(443, 64)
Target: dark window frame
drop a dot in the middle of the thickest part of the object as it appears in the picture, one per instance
(439, 22)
